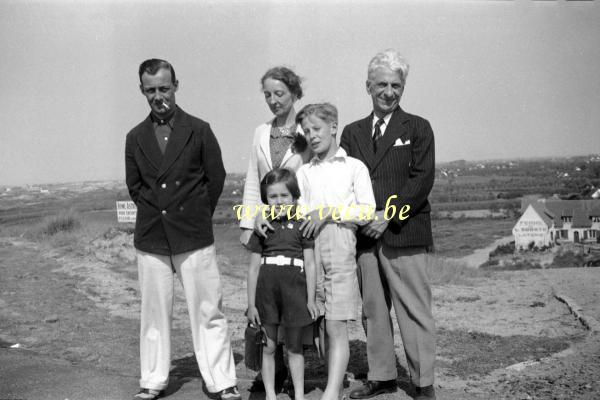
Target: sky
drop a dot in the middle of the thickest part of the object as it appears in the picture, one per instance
(496, 79)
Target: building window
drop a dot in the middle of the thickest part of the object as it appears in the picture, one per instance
(564, 234)
(566, 219)
(592, 233)
(595, 218)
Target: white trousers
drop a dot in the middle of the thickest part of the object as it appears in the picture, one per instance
(199, 275)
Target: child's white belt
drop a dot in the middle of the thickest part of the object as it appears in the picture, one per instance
(283, 260)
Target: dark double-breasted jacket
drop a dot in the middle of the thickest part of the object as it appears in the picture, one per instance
(175, 193)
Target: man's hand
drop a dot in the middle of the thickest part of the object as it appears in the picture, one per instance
(376, 227)
(245, 236)
(313, 223)
(312, 309)
(262, 226)
(253, 316)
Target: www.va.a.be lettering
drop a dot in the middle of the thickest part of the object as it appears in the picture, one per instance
(360, 212)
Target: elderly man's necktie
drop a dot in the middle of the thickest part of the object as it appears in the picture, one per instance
(377, 133)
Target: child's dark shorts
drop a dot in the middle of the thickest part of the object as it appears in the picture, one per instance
(281, 296)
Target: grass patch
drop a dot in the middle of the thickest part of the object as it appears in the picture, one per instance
(62, 229)
(568, 259)
(228, 246)
(458, 238)
(476, 353)
(513, 265)
(443, 271)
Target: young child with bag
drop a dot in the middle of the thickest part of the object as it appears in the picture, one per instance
(281, 280)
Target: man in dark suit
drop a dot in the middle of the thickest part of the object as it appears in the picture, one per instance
(175, 175)
(398, 149)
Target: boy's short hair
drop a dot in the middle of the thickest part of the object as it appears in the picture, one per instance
(325, 111)
(279, 175)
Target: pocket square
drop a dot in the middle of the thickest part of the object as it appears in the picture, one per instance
(399, 142)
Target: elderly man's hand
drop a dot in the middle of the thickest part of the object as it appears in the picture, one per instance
(245, 236)
(262, 226)
(376, 227)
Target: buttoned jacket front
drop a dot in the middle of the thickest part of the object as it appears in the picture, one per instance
(175, 193)
(404, 167)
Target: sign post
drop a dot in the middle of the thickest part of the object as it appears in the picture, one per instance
(126, 211)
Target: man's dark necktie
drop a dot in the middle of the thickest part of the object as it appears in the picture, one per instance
(377, 133)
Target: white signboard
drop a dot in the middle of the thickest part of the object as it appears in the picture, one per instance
(531, 228)
(126, 211)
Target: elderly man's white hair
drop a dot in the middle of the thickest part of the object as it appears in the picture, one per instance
(391, 59)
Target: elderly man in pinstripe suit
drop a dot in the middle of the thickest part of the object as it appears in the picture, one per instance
(398, 149)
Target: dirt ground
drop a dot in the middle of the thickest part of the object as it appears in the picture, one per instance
(501, 335)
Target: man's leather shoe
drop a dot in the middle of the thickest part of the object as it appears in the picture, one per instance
(425, 393)
(374, 388)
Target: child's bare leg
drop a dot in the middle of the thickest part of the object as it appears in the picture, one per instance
(339, 353)
(293, 342)
(268, 362)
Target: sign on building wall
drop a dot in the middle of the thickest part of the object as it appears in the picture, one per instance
(534, 230)
(531, 229)
(126, 211)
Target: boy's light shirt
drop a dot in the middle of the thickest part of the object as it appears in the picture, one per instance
(341, 182)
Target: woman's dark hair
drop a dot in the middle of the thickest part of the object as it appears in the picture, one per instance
(299, 144)
(152, 66)
(279, 175)
(288, 77)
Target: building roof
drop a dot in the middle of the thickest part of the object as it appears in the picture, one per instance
(579, 211)
(543, 213)
(581, 219)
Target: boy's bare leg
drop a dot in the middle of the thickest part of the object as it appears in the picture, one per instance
(339, 354)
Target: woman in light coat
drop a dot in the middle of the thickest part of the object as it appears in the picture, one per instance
(278, 143)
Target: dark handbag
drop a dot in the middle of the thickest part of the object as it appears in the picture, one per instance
(255, 340)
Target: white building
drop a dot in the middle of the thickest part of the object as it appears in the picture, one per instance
(533, 227)
(545, 222)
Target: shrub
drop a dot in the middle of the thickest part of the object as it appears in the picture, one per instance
(126, 228)
(489, 264)
(541, 249)
(65, 222)
(503, 249)
(515, 265)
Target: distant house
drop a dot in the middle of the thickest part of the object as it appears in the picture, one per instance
(533, 227)
(545, 222)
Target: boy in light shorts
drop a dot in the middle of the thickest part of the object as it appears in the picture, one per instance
(336, 195)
